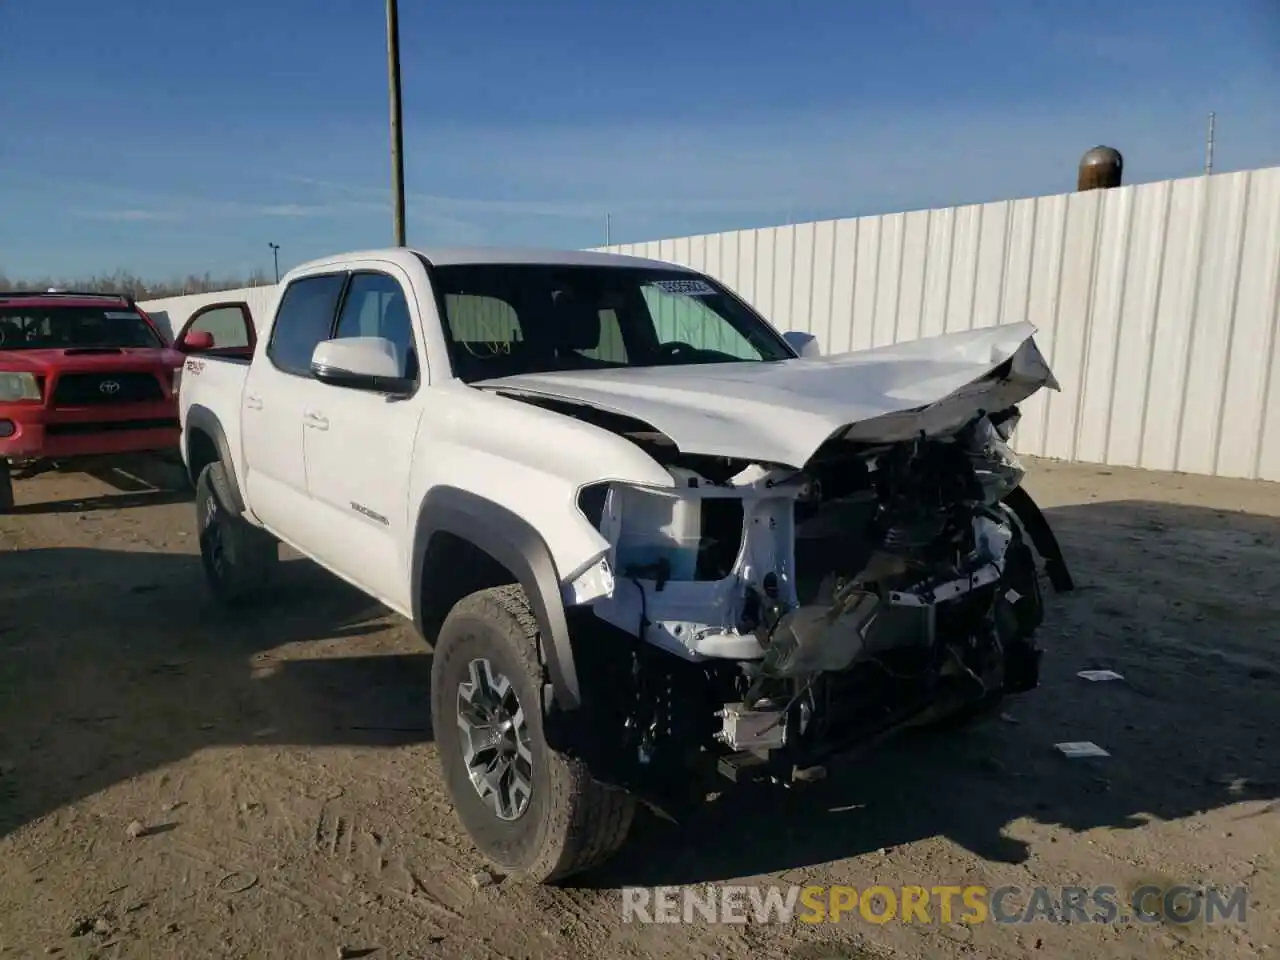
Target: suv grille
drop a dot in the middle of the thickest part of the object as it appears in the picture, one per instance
(89, 389)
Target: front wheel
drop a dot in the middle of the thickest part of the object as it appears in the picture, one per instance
(535, 813)
(239, 559)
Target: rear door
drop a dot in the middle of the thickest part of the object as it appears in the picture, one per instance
(274, 401)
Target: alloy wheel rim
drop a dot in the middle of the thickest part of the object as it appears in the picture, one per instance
(495, 740)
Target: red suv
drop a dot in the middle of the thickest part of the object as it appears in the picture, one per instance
(81, 375)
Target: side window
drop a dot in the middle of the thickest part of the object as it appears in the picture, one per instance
(376, 307)
(303, 319)
(679, 318)
(226, 325)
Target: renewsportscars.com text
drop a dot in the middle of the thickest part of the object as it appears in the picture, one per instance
(1182, 904)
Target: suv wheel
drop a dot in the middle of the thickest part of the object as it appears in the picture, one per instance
(239, 559)
(534, 812)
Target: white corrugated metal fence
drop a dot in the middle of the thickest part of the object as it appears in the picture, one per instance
(1156, 306)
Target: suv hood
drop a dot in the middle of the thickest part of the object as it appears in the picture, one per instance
(782, 412)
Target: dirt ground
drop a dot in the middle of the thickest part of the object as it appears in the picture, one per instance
(175, 783)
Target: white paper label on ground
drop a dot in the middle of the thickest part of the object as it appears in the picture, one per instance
(1080, 748)
(1096, 675)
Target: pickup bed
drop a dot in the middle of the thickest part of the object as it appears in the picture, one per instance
(648, 536)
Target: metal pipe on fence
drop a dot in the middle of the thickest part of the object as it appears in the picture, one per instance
(1100, 169)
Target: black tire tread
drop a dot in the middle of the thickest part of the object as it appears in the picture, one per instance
(257, 551)
(589, 821)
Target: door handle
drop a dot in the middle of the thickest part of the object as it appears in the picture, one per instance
(317, 420)
(253, 402)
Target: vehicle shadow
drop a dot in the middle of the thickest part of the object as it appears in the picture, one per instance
(1194, 725)
(137, 476)
(116, 501)
(115, 663)
(142, 481)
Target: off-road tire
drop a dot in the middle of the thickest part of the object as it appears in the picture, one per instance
(573, 822)
(239, 558)
(6, 487)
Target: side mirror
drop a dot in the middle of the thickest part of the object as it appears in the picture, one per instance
(360, 363)
(804, 344)
(194, 341)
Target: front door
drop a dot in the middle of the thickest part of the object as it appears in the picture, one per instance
(359, 446)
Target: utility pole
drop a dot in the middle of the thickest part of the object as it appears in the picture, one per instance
(397, 126)
(1208, 146)
(608, 227)
(275, 256)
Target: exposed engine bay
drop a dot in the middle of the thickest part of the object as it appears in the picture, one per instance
(778, 616)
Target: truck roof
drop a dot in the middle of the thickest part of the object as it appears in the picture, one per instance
(451, 256)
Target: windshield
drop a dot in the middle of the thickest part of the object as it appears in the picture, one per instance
(507, 319)
(61, 328)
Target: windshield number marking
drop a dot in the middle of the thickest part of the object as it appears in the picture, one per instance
(688, 288)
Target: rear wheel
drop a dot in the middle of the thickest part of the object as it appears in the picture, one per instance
(239, 559)
(535, 813)
(6, 487)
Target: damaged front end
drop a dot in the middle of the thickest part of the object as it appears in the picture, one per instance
(779, 616)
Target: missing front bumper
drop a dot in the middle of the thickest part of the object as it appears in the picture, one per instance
(783, 756)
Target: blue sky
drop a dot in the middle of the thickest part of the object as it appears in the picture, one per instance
(175, 137)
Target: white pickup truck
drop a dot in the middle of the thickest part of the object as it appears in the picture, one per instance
(646, 534)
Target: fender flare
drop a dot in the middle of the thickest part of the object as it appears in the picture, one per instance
(205, 420)
(1028, 513)
(513, 542)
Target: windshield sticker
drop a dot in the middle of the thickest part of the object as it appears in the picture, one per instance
(120, 315)
(688, 288)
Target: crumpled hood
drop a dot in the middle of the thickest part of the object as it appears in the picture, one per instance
(783, 412)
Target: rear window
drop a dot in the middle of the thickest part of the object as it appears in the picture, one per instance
(61, 328)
